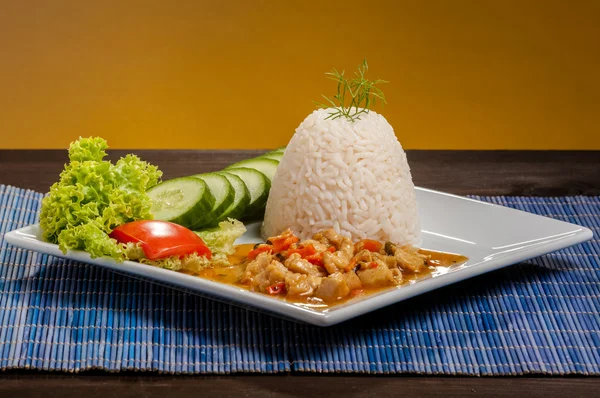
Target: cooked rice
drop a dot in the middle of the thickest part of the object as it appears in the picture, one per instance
(350, 176)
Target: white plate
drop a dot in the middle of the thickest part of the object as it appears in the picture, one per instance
(491, 236)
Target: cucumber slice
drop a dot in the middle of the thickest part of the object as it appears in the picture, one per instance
(272, 155)
(186, 201)
(268, 167)
(280, 149)
(258, 186)
(223, 192)
(241, 198)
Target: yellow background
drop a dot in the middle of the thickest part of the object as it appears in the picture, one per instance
(243, 73)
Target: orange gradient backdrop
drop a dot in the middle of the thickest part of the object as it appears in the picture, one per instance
(244, 73)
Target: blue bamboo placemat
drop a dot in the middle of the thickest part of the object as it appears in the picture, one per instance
(541, 316)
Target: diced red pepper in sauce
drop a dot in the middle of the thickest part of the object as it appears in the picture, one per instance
(304, 251)
(373, 265)
(282, 243)
(316, 259)
(371, 245)
(351, 265)
(310, 254)
(260, 249)
(277, 288)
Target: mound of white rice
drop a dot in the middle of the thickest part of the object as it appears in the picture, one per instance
(350, 176)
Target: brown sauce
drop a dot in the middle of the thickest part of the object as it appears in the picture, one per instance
(438, 264)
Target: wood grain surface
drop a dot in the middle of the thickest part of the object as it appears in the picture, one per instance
(280, 386)
(528, 173)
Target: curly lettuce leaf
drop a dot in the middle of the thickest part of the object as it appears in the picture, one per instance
(192, 263)
(92, 238)
(220, 239)
(93, 196)
(93, 148)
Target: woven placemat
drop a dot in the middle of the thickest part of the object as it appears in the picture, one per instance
(541, 316)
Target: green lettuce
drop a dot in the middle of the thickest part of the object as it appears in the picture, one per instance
(93, 196)
(220, 239)
(191, 263)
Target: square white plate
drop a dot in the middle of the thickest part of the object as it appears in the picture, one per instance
(491, 237)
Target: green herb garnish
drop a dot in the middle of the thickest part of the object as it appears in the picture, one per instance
(354, 95)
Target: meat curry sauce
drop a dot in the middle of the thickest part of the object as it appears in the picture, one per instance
(328, 269)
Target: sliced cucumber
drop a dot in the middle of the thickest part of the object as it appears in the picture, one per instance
(241, 198)
(186, 201)
(272, 155)
(258, 186)
(280, 149)
(267, 167)
(223, 192)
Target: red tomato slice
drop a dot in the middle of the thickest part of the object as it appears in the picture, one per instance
(161, 239)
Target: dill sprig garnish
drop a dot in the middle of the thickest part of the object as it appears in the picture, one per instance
(355, 96)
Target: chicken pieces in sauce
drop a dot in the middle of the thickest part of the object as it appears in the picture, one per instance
(329, 267)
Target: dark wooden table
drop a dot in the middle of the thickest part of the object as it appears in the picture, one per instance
(462, 172)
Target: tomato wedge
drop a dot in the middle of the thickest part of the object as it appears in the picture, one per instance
(161, 239)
